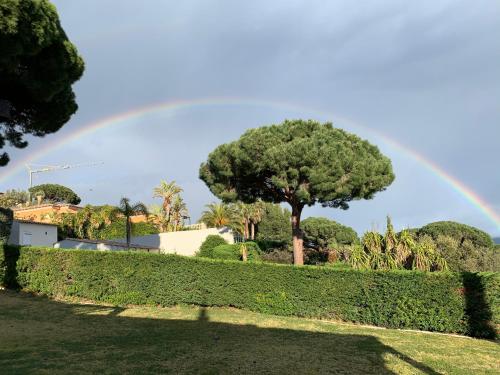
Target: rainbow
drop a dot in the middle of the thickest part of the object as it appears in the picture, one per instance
(137, 113)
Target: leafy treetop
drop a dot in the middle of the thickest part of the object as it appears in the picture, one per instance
(299, 162)
(321, 233)
(458, 231)
(56, 193)
(13, 198)
(38, 65)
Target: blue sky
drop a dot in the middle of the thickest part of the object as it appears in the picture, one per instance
(425, 74)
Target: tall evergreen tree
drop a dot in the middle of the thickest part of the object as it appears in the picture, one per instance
(38, 65)
(298, 162)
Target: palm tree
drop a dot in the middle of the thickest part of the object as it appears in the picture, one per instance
(357, 257)
(158, 217)
(256, 212)
(166, 191)
(241, 219)
(217, 215)
(404, 248)
(128, 210)
(40, 194)
(179, 212)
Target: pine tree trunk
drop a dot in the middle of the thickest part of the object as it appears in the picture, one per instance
(298, 242)
(252, 236)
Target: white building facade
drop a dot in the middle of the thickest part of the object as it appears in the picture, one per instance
(30, 233)
(185, 242)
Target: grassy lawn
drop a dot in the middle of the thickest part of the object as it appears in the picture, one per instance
(39, 335)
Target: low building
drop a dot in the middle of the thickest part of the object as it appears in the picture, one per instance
(31, 233)
(84, 244)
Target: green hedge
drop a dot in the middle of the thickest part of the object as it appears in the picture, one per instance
(444, 302)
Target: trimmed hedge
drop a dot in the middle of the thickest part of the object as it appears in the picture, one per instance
(444, 302)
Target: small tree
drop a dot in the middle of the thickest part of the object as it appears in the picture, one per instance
(128, 210)
(167, 191)
(298, 162)
(13, 198)
(320, 232)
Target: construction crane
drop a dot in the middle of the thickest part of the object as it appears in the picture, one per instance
(37, 168)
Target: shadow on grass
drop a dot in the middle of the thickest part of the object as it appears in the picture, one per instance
(477, 309)
(10, 256)
(42, 335)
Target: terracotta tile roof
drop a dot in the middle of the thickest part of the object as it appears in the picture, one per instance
(34, 222)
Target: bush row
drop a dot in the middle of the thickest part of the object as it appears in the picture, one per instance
(464, 303)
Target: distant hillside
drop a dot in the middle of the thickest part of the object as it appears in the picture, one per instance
(496, 240)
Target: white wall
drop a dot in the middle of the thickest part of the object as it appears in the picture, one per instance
(183, 243)
(32, 234)
(76, 244)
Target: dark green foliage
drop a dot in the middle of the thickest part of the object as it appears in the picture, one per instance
(211, 242)
(282, 256)
(315, 162)
(6, 217)
(464, 256)
(458, 231)
(399, 299)
(479, 297)
(275, 230)
(320, 232)
(117, 229)
(234, 251)
(38, 65)
(465, 248)
(56, 193)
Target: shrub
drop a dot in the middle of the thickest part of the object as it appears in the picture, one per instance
(446, 302)
(233, 251)
(211, 242)
(282, 256)
(319, 232)
(458, 231)
(13, 198)
(465, 256)
(6, 217)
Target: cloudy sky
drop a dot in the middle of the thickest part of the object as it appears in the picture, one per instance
(415, 78)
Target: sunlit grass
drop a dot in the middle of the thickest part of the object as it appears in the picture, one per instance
(45, 336)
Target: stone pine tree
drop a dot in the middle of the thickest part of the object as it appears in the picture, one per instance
(299, 162)
(38, 65)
